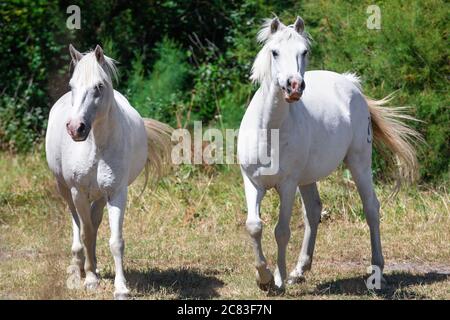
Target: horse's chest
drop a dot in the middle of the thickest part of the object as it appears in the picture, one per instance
(94, 177)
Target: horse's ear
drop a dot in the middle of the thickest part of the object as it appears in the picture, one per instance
(99, 54)
(75, 54)
(274, 25)
(299, 25)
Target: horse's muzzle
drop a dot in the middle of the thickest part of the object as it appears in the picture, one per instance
(78, 131)
(295, 92)
(293, 97)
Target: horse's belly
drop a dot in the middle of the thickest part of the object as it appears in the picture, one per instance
(137, 166)
(312, 173)
(321, 165)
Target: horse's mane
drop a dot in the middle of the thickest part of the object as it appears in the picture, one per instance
(261, 69)
(89, 72)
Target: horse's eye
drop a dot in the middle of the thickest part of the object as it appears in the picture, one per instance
(305, 53)
(98, 90)
(274, 53)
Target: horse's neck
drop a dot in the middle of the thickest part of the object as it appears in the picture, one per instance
(273, 108)
(107, 130)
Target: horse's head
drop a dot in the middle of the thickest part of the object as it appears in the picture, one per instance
(92, 91)
(283, 58)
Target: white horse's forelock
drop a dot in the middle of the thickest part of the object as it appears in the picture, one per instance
(89, 72)
(261, 69)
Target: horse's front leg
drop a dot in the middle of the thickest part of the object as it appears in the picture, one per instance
(116, 210)
(76, 267)
(97, 215)
(87, 233)
(254, 196)
(282, 230)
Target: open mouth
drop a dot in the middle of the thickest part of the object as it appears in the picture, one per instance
(292, 97)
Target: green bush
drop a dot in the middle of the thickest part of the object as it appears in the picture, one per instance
(408, 54)
(158, 94)
(21, 126)
(30, 51)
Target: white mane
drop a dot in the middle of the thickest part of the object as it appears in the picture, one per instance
(354, 78)
(261, 70)
(88, 72)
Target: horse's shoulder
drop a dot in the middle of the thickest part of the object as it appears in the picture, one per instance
(62, 102)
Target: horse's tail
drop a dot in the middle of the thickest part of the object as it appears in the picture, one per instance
(159, 149)
(390, 131)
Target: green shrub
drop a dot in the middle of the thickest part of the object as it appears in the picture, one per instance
(408, 54)
(21, 125)
(30, 51)
(158, 94)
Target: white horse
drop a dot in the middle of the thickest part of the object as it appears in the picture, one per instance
(96, 145)
(331, 123)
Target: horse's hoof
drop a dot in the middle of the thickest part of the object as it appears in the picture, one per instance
(264, 279)
(91, 286)
(73, 269)
(296, 279)
(121, 295)
(74, 281)
(276, 291)
(266, 286)
(383, 283)
(91, 283)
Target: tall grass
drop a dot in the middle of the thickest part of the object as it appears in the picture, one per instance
(187, 239)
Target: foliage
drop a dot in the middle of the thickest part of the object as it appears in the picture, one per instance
(204, 52)
(31, 40)
(158, 94)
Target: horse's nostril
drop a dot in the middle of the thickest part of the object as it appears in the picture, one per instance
(67, 124)
(81, 128)
(289, 82)
(303, 85)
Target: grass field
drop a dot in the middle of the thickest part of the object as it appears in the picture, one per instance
(187, 239)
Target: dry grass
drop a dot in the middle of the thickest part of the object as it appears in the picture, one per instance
(187, 240)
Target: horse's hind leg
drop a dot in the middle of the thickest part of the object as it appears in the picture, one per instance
(312, 208)
(360, 167)
(254, 226)
(76, 267)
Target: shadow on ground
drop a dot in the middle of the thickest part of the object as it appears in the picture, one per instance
(398, 285)
(180, 283)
